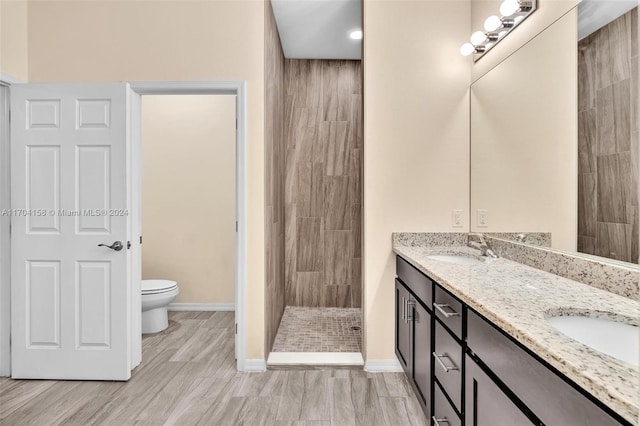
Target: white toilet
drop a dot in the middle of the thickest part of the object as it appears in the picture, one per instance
(156, 295)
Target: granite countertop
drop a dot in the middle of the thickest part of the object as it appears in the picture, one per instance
(517, 298)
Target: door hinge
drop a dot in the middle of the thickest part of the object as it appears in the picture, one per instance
(236, 226)
(236, 328)
(236, 124)
(140, 239)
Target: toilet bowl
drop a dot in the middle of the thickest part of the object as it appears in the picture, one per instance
(156, 295)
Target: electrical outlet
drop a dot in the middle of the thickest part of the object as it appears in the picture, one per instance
(482, 218)
(456, 218)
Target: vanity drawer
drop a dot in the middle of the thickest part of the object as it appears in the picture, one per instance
(449, 310)
(417, 282)
(544, 391)
(443, 413)
(448, 364)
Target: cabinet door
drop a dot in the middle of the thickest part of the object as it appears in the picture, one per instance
(486, 404)
(403, 328)
(422, 352)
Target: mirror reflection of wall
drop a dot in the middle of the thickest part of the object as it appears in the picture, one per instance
(524, 139)
(545, 158)
(608, 130)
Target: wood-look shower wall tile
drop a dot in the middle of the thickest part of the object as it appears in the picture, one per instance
(337, 203)
(614, 118)
(622, 114)
(614, 187)
(587, 146)
(345, 91)
(635, 95)
(290, 256)
(603, 58)
(338, 254)
(614, 49)
(309, 288)
(356, 229)
(587, 245)
(586, 73)
(309, 244)
(330, 97)
(338, 148)
(337, 296)
(310, 191)
(634, 32)
(274, 161)
(614, 241)
(323, 180)
(355, 171)
(356, 283)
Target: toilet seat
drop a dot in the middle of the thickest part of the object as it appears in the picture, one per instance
(157, 286)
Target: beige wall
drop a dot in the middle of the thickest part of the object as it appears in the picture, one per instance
(13, 38)
(548, 11)
(188, 194)
(416, 129)
(99, 41)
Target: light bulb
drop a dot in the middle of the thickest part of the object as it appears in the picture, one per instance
(492, 23)
(509, 7)
(478, 38)
(467, 49)
(356, 34)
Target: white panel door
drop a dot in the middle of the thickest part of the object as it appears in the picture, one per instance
(70, 297)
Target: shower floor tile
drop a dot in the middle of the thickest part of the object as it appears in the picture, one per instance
(305, 329)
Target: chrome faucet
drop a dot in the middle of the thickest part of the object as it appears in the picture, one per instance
(481, 244)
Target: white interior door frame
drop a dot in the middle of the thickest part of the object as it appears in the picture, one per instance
(5, 242)
(238, 88)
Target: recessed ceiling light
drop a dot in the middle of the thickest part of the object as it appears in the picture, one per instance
(356, 34)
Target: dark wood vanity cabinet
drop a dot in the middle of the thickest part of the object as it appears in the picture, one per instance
(466, 371)
(413, 331)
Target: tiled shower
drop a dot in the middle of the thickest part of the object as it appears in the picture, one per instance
(608, 126)
(314, 145)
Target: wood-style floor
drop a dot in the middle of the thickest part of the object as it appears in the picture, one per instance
(188, 377)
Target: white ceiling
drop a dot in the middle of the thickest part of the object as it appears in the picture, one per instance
(319, 29)
(595, 14)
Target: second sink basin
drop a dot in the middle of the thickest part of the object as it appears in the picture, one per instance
(460, 259)
(617, 339)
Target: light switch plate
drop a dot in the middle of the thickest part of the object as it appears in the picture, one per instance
(482, 218)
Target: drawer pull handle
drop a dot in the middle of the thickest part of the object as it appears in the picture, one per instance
(441, 306)
(437, 422)
(443, 365)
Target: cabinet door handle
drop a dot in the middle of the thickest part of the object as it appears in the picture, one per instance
(441, 306)
(437, 422)
(410, 305)
(443, 365)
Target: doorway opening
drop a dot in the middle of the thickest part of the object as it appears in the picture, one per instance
(188, 211)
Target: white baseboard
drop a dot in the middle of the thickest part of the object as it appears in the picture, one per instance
(202, 307)
(382, 366)
(315, 358)
(255, 366)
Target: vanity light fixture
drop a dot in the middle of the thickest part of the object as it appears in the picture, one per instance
(497, 27)
(492, 23)
(356, 35)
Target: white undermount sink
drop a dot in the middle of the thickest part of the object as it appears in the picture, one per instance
(459, 259)
(617, 339)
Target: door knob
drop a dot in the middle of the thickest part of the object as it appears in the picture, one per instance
(117, 246)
